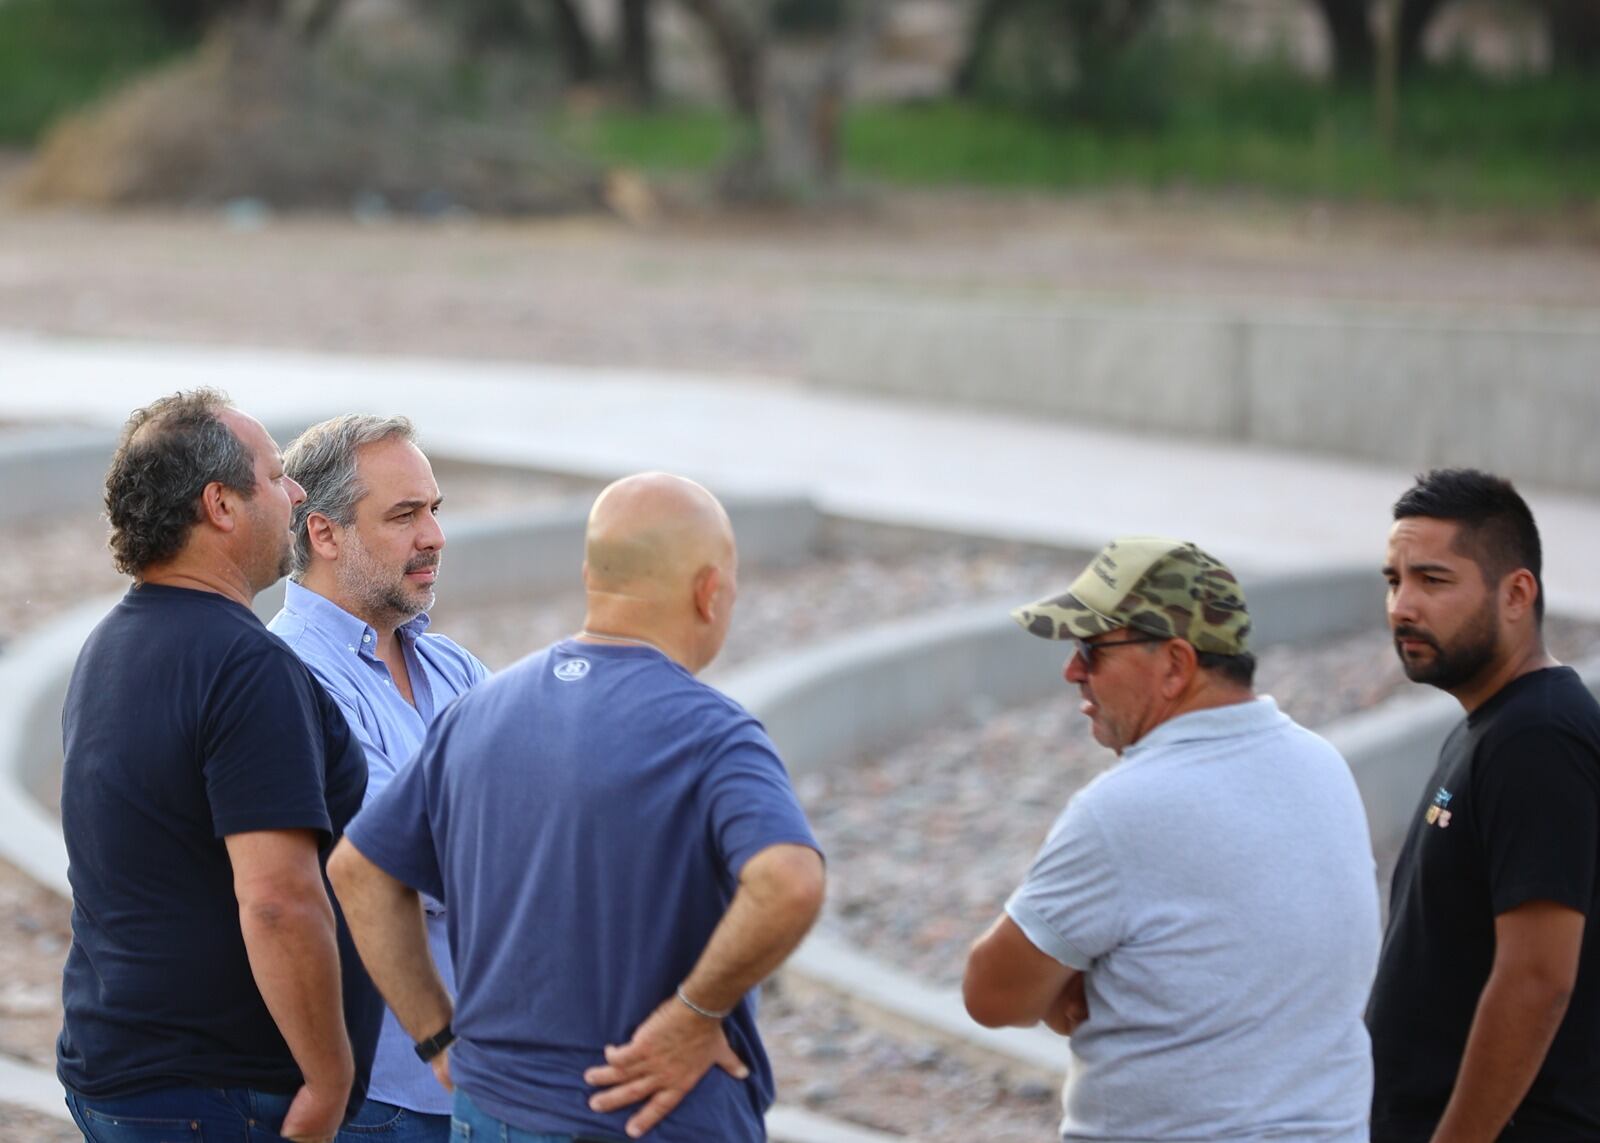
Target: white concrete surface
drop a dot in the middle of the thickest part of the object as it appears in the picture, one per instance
(878, 459)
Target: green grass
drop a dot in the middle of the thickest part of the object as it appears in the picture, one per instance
(56, 55)
(1463, 141)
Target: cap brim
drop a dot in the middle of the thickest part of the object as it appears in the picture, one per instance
(1062, 617)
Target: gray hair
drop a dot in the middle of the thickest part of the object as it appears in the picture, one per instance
(322, 460)
(167, 454)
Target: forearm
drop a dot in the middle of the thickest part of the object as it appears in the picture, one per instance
(387, 921)
(294, 957)
(1516, 1020)
(775, 906)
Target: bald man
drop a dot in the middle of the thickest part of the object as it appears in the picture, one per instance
(621, 853)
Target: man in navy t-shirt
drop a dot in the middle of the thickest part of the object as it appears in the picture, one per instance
(206, 776)
(620, 852)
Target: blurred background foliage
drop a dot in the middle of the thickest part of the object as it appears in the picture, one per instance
(791, 97)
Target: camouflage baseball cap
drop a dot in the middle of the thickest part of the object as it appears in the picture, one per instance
(1167, 588)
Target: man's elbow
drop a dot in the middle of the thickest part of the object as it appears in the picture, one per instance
(789, 882)
(345, 868)
(984, 1004)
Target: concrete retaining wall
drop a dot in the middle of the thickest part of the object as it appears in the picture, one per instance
(834, 703)
(1518, 394)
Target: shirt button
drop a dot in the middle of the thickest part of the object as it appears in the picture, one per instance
(366, 638)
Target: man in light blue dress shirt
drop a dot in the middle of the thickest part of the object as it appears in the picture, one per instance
(366, 557)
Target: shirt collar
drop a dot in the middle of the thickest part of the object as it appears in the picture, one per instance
(1213, 722)
(343, 628)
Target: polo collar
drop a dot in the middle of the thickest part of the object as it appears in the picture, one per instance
(1253, 717)
(350, 631)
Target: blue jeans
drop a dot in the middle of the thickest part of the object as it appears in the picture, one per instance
(471, 1124)
(379, 1122)
(182, 1115)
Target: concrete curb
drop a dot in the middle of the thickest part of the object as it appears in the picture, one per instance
(33, 1087)
(794, 1125)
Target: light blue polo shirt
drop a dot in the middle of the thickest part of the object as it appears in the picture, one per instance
(1216, 886)
(338, 647)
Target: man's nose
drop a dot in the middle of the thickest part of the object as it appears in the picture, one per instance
(1401, 604)
(297, 495)
(430, 537)
(1075, 671)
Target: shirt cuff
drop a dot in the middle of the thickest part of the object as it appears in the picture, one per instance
(1044, 938)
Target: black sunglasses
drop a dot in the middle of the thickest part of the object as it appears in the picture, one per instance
(1086, 651)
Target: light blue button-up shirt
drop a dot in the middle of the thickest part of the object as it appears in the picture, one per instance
(340, 649)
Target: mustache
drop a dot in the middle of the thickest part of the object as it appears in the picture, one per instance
(1406, 631)
(422, 563)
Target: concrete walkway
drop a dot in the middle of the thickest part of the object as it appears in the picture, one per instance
(1007, 476)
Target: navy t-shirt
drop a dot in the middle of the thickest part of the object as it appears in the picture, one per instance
(187, 721)
(584, 815)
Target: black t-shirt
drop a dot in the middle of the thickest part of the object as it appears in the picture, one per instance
(186, 721)
(1511, 815)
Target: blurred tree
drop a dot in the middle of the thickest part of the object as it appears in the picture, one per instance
(1574, 27)
(1353, 42)
(786, 66)
(638, 56)
(1088, 33)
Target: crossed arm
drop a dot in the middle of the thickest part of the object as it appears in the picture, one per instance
(1520, 1008)
(1009, 982)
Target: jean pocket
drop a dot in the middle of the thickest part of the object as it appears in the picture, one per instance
(460, 1129)
(104, 1128)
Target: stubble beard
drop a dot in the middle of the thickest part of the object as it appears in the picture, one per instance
(380, 593)
(1473, 649)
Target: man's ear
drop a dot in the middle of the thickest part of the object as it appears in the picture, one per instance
(1518, 592)
(707, 586)
(324, 536)
(1182, 661)
(219, 506)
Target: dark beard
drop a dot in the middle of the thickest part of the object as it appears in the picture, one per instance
(1473, 650)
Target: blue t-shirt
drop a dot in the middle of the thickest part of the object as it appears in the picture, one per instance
(185, 722)
(584, 815)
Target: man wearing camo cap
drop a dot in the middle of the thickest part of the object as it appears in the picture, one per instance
(1203, 917)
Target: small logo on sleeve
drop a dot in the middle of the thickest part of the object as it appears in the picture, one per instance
(571, 670)
(1438, 814)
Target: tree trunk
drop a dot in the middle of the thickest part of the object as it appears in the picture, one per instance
(319, 19)
(1574, 27)
(1350, 36)
(991, 17)
(638, 53)
(739, 55)
(1415, 16)
(578, 57)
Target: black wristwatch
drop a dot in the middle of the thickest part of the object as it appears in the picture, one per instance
(436, 1043)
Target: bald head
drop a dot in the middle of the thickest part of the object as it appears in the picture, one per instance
(650, 534)
(659, 558)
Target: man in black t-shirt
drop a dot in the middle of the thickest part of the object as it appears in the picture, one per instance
(1485, 1016)
(211, 990)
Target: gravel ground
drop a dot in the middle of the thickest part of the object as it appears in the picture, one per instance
(827, 1060)
(856, 579)
(21, 1125)
(35, 930)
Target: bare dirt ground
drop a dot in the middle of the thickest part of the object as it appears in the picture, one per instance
(732, 294)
